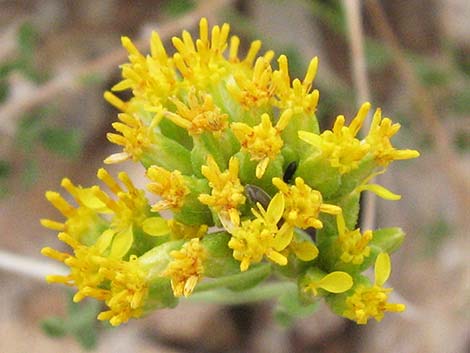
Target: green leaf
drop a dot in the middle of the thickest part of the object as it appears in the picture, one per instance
(177, 8)
(91, 79)
(431, 75)
(64, 142)
(54, 326)
(27, 37)
(4, 89)
(291, 307)
(28, 132)
(435, 233)
(79, 322)
(377, 55)
(388, 239)
(459, 102)
(462, 140)
(30, 172)
(5, 169)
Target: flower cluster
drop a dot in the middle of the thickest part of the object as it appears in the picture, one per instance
(232, 149)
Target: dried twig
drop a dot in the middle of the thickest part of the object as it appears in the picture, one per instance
(360, 81)
(28, 266)
(448, 159)
(101, 66)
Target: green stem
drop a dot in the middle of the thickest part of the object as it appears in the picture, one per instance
(261, 271)
(228, 297)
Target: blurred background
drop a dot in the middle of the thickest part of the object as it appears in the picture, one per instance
(58, 57)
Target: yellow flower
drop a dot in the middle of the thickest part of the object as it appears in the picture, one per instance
(295, 96)
(135, 137)
(170, 186)
(354, 245)
(340, 146)
(334, 282)
(83, 223)
(131, 209)
(254, 90)
(152, 78)
(128, 290)
(84, 270)
(121, 284)
(227, 192)
(186, 269)
(200, 114)
(303, 204)
(254, 239)
(202, 63)
(371, 301)
(263, 142)
(380, 133)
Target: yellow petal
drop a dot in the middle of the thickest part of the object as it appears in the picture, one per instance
(380, 191)
(382, 268)
(305, 250)
(117, 158)
(122, 243)
(104, 240)
(341, 224)
(261, 167)
(336, 282)
(89, 199)
(276, 257)
(276, 208)
(283, 237)
(155, 226)
(310, 138)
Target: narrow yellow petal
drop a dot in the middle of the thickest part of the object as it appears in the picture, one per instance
(380, 191)
(382, 268)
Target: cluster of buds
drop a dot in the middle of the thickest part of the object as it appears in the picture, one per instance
(242, 187)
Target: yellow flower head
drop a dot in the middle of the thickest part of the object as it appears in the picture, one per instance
(169, 185)
(227, 192)
(254, 239)
(334, 282)
(152, 78)
(83, 223)
(129, 209)
(84, 269)
(135, 137)
(296, 96)
(256, 90)
(91, 272)
(202, 63)
(186, 269)
(128, 289)
(131, 205)
(354, 245)
(340, 146)
(371, 301)
(381, 131)
(263, 142)
(303, 204)
(199, 115)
